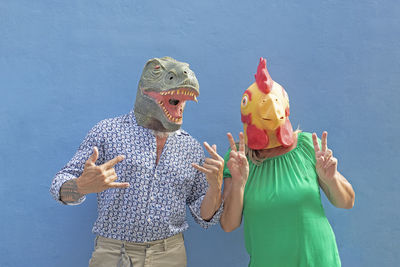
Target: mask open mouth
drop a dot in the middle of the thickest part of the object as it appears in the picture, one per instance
(172, 101)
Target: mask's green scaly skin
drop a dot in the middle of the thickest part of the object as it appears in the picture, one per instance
(163, 89)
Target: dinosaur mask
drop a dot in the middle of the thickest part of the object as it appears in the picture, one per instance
(265, 112)
(164, 88)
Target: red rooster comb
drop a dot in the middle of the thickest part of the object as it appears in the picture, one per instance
(263, 79)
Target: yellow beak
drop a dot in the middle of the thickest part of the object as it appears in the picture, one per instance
(271, 111)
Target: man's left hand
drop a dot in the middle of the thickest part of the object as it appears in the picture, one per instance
(213, 167)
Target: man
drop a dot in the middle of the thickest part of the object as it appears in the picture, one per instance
(145, 170)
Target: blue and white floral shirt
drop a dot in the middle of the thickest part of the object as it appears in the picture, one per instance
(154, 206)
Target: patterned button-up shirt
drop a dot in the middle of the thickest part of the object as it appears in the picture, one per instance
(154, 206)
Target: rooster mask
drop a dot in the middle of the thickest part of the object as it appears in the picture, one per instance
(265, 112)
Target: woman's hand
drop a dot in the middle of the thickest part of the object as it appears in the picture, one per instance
(238, 166)
(338, 190)
(326, 165)
(237, 163)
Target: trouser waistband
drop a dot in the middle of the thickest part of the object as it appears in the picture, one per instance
(161, 244)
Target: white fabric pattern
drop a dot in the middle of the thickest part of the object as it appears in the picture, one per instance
(154, 206)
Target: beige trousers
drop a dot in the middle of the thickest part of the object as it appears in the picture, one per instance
(168, 252)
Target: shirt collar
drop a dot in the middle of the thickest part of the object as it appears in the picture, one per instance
(130, 118)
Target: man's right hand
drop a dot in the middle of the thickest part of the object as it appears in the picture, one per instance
(95, 179)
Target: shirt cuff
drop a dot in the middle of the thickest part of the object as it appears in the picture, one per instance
(195, 210)
(56, 186)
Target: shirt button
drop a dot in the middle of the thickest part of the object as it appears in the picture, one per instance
(152, 198)
(148, 220)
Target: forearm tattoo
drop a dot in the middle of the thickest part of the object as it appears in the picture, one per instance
(69, 191)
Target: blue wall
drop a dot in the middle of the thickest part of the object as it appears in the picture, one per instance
(65, 65)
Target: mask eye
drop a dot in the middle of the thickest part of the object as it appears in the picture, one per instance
(156, 69)
(245, 100)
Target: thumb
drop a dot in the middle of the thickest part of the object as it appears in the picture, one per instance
(92, 159)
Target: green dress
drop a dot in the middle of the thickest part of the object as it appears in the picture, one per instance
(284, 221)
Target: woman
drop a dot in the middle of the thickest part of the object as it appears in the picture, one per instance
(273, 178)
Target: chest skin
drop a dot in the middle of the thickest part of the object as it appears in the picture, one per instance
(160, 146)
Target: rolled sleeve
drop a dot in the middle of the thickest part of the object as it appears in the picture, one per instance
(74, 168)
(58, 181)
(195, 211)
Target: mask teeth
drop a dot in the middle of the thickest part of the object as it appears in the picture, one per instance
(168, 114)
(179, 92)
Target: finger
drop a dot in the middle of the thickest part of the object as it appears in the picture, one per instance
(211, 168)
(332, 161)
(329, 153)
(231, 142)
(213, 162)
(241, 142)
(315, 142)
(233, 154)
(118, 185)
(320, 159)
(327, 157)
(200, 168)
(335, 161)
(110, 172)
(324, 141)
(233, 163)
(233, 160)
(211, 150)
(111, 179)
(109, 164)
(95, 155)
(243, 160)
(327, 164)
